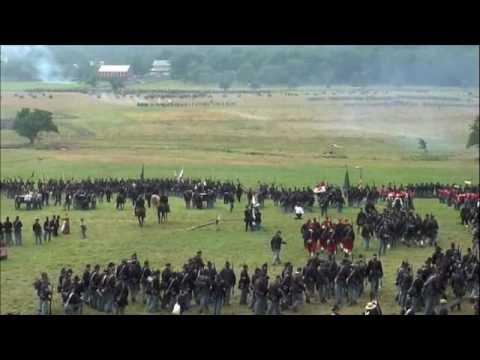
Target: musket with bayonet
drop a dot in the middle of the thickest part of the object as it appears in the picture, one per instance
(233, 287)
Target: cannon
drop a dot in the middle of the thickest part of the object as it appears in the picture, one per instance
(32, 201)
(84, 201)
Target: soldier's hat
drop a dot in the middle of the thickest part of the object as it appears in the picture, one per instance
(111, 264)
(374, 255)
(245, 266)
(199, 252)
(370, 306)
(227, 263)
(443, 301)
(168, 264)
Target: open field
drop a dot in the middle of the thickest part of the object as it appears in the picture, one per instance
(279, 138)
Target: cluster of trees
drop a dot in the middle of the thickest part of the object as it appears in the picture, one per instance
(280, 65)
(29, 123)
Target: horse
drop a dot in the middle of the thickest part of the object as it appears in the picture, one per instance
(140, 211)
(120, 201)
(161, 206)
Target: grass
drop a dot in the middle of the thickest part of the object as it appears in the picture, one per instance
(276, 139)
(114, 235)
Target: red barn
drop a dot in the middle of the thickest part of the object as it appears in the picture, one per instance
(114, 71)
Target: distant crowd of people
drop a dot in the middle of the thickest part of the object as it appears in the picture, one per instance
(11, 233)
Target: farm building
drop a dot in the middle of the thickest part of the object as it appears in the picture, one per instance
(160, 68)
(114, 71)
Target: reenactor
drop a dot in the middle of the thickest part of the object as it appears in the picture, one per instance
(431, 293)
(44, 293)
(120, 297)
(458, 283)
(153, 292)
(94, 286)
(310, 276)
(146, 273)
(415, 293)
(17, 231)
(354, 282)
(298, 290)
(218, 293)
(274, 297)
(7, 228)
(73, 303)
(230, 280)
(86, 284)
(244, 285)
(374, 273)
(261, 290)
(203, 285)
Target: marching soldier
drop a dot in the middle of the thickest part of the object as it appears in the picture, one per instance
(94, 288)
(415, 293)
(44, 294)
(120, 297)
(153, 292)
(219, 289)
(230, 280)
(203, 285)
(7, 228)
(431, 292)
(261, 290)
(276, 244)
(298, 289)
(146, 273)
(310, 275)
(73, 303)
(274, 296)
(86, 284)
(374, 274)
(17, 230)
(244, 285)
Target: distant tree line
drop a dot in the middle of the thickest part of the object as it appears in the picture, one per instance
(278, 65)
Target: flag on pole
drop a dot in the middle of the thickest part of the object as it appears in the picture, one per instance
(33, 174)
(142, 173)
(346, 182)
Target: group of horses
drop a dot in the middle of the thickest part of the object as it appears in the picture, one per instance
(158, 202)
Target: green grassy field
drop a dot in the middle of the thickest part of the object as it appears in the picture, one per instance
(276, 139)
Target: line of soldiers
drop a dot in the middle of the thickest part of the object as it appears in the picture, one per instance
(327, 236)
(427, 291)
(199, 284)
(8, 228)
(321, 279)
(393, 226)
(284, 196)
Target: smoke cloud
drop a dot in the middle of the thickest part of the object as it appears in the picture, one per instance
(38, 57)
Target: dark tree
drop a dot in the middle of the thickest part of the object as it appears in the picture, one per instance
(226, 80)
(474, 133)
(422, 144)
(117, 84)
(29, 124)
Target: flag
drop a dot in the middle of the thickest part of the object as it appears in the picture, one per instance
(346, 182)
(142, 173)
(33, 174)
(180, 175)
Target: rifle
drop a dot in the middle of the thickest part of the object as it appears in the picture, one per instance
(51, 300)
(233, 287)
